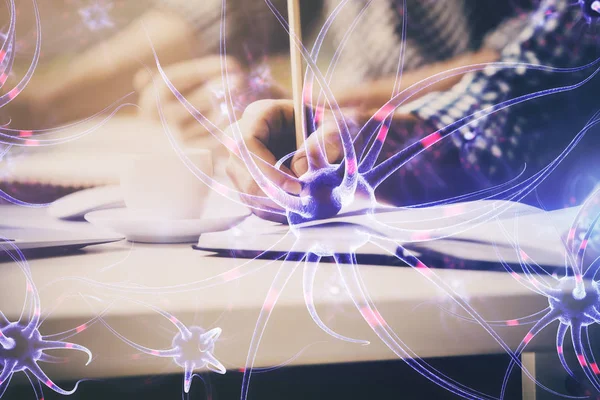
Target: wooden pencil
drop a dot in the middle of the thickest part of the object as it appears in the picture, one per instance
(297, 75)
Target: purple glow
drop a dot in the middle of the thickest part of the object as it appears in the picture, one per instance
(97, 16)
(191, 348)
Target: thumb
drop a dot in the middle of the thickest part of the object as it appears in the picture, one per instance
(320, 149)
(141, 79)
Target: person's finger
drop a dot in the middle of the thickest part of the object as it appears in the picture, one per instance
(268, 120)
(259, 205)
(275, 217)
(179, 114)
(323, 145)
(147, 103)
(265, 125)
(142, 78)
(183, 72)
(282, 178)
(189, 74)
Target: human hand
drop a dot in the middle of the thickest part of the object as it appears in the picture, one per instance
(426, 79)
(83, 85)
(200, 82)
(267, 127)
(268, 130)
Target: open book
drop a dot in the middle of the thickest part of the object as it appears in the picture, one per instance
(477, 232)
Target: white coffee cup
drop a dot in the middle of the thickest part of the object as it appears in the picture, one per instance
(162, 185)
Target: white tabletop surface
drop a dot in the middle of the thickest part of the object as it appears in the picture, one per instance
(410, 303)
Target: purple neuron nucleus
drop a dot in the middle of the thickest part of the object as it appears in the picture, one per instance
(22, 349)
(322, 187)
(195, 351)
(573, 299)
(192, 348)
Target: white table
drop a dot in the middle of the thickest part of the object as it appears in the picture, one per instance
(409, 302)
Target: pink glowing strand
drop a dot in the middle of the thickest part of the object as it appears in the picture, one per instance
(588, 346)
(560, 340)
(244, 269)
(9, 40)
(524, 281)
(28, 338)
(13, 137)
(525, 261)
(582, 355)
(580, 258)
(349, 181)
(593, 364)
(393, 163)
(537, 328)
(570, 243)
(279, 196)
(380, 173)
(528, 264)
(405, 256)
(321, 157)
(165, 353)
(372, 155)
(8, 97)
(527, 320)
(347, 268)
(334, 61)
(80, 328)
(231, 194)
(279, 282)
(309, 274)
(35, 384)
(524, 188)
(215, 131)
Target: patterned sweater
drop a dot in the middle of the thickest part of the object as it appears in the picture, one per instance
(484, 152)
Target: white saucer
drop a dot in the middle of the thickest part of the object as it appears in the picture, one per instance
(140, 226)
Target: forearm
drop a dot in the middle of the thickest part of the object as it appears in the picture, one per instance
(124, 53)
(375, 94)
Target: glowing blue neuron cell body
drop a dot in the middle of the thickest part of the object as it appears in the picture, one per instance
(321, 188)
(577, 302)
(195, 348)
(23, 347)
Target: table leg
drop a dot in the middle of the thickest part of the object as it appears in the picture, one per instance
(545, 368)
